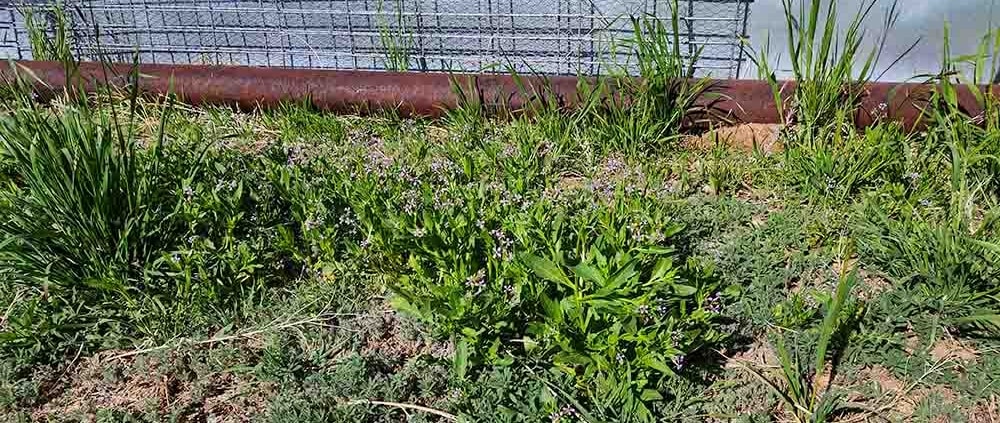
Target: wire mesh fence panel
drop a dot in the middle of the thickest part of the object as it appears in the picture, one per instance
(8, 32)
(552, 37)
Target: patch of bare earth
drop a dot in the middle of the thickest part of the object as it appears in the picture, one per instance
(759, 355)
(985, 411)
(103, 382)
(388, 336)
(898, 400)
(747, 137)
(953, 349)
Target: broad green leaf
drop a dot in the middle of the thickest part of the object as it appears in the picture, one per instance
(403, 305)
(656, 250)
(552, 309)
(546, 269)
(461, 363)
(588, 273)
(662, 269)
(572, 357)
(684, 290)
(656, 363)
(651, 395)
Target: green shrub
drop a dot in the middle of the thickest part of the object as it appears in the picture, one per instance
(577, 273)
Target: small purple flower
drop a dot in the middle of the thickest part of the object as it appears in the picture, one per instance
(442, 167)
(662, 309)
(406, 175)
(295, 155)
(544, 148)
(912, 176)
(678, 361)
(313, 223)
(713, 304)
(508, 150)
(925, 202)
(411, 200)
(346, 220)
(365, 243)
(502, 245)
(620, 358)
(643, 311)
(477, 281)
(176, 258)
(566, 412)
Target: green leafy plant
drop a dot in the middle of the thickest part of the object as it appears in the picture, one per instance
(847, 165)
(806, 395)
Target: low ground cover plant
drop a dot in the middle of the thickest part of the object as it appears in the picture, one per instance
(161, 262)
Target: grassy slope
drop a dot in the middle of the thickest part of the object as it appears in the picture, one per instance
(306, 348)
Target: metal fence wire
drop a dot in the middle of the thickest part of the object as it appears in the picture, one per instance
(551, 37)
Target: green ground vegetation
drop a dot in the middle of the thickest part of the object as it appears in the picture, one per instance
(605, 263)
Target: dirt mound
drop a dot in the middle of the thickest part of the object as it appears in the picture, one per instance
(747, 137)
(150, 386)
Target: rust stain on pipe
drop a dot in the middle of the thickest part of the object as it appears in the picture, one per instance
(430, 94)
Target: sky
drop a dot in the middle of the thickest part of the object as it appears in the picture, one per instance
(921, 20)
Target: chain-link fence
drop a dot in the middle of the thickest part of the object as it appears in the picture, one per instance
(551, 36)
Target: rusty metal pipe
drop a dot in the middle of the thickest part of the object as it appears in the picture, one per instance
(429, 94)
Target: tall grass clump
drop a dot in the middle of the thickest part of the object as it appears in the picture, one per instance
(830, 66)
(934, 231)
(49, 35)
(645, 114)
(110, 231)
(81, 220)
(395, 38)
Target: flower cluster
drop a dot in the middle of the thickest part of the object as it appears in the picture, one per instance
(411, 201)
(615, 173)
(503, 246)
(224, 185)
(348, 222)
(295, 155)
(713, 304)
(678, 361)
(476, 282)
(564, 414)
(376, 161)
(643, 232)
(313, 223)
(831, 184)
(442, 169)
(445, 199)
(509, 150)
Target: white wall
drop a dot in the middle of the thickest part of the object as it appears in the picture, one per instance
(918, 19)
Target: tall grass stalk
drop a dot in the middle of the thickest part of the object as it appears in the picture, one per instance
(806, 395)
(396, 39)
(829, 66)
(639, 115)
(49, 36)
